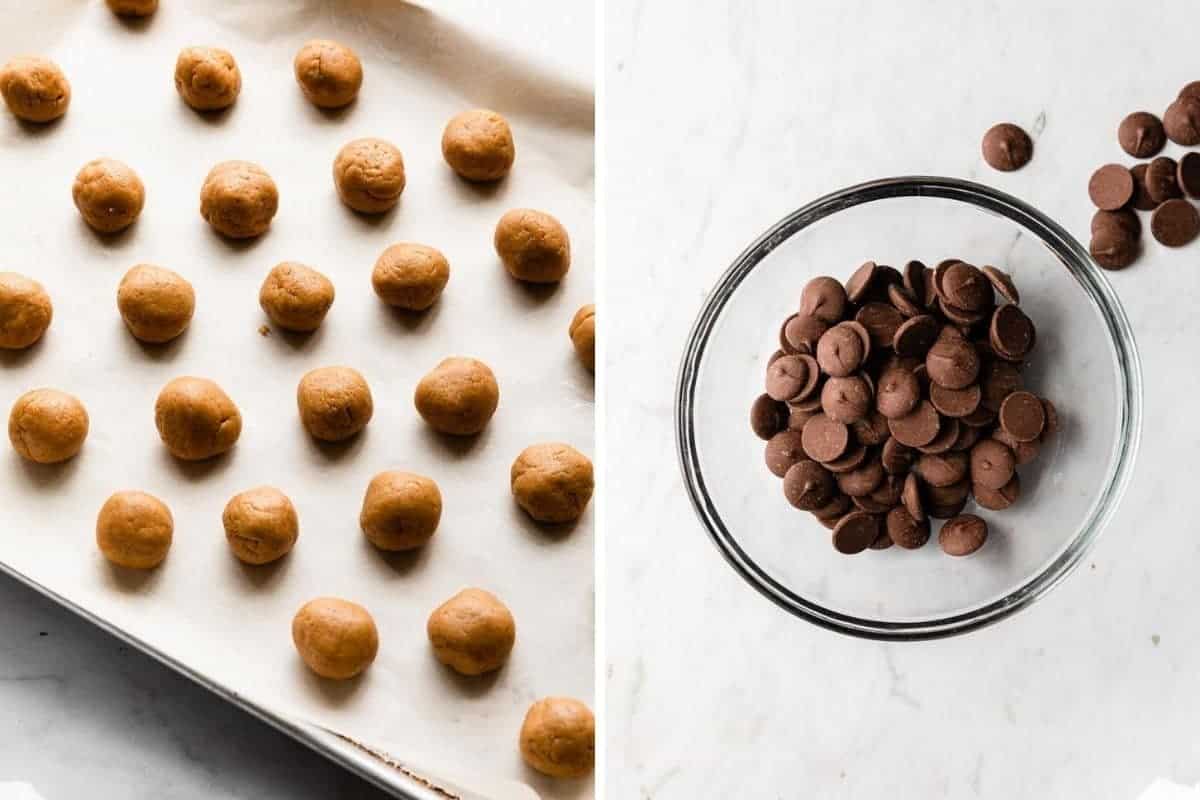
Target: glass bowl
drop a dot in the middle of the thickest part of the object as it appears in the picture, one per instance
(1085, 361)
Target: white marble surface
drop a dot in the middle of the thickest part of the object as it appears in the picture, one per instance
(720, 121)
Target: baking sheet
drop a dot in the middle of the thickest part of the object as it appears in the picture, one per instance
(202, 609)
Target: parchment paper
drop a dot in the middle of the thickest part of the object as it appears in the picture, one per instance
(232, 623)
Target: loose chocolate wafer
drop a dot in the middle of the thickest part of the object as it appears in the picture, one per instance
(1011, 333)
(802, 332)
(1006, 147)
(1111, 187)
(840, 351)
(963, 535)
(783, 450)
(1175, 223)
(1162, 182)
(992, 464)
(1187, 174)
(943, 469)
(824, 298)
(1142, 200)
(824, 439)
(896, 458)
(955, 403)
(1002, 282)
(767, 417)
(855, 532)
(998, 499)
(910, 497)
(918, 427)
(904, 530)
(1141, 134)
(860, 281)
(898, 393)
(1022, 416)
(1181, 121)
(807, 485)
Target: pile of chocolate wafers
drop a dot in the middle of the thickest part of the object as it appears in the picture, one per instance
(1161, 185)
(896, 397)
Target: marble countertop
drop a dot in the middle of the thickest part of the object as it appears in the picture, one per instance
(719, 122)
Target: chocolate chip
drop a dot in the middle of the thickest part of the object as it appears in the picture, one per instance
(1113, 248)
(846, 400)
(873, 430)
(863, 480)
(886, 494)
(1191, 90)
(1141, 134)
(1123, 220)
(797, 418)
(855, 532)
(1175, 223)
(840, 351)
(801, 332)
(943, 469)
(992, 464)
(998, 380)
(823, 439)
(966, 439)
(1182, 121)
(915, 336)
(1022, 416)
(852, 459)
(835, 509)
(1011, 333)
(882, 541)
(1002, 282)
(1162, 182)
(807, 485)
(947, 436)
(898, 393)
(918, 427)
(910, 496)
(1023, 452)
(966, 287)
(998, 499)
(786, 377)
(948, 496)
(952, 362)
(962, 535)
(860, 281)
(824, 298)
(767, 417)
(1111, 187)
(948, 511)
(896, 458)
(784, 449)
(1052, 422)
(961, 317)
(955, 402)
(814, 377)
(1142, 200)
(913, 279)
(904, 301)
(1006, 147)
(1187, 174)
(881, 321)
(979, 418)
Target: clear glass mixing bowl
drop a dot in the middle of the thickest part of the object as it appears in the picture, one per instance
(1085, 362)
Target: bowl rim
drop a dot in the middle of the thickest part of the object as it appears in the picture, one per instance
(1124, 353)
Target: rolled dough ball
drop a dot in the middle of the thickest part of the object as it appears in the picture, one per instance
(583, 335)
(336, 638)
(296, 297)
(108, 194)
(156, 303)
(261, 525)
(472, 632)
(369, 175)
(25, 311)
(329, 73)
(196, 419)
(47, 426)
(133, 8)
(401, 510)
(410, 276)
(239, 199)
(458, 396)
(533, 246)
(558, 737)
(207, 78)
(134, 530)
(478, 145)
(335, 403)
(34, 89)
(553, 482)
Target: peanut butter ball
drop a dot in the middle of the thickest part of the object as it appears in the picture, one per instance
(296, 297)
(553, 482)
(472, 632)
(478, 145)
(239, 199)
(34, 89)
(25, 311)
(329, 73)
(335, 403)
(108, 194)
(558, 737)
(400, 510)
(458, 396)
(134, 530)
(133, 8)
(156, 303)
(369, 175)
(47, 426)
(261, 525)
(196, 419)
(207, 78)
(533, 246)
(336, 638)
(410, 276)
(583, 335)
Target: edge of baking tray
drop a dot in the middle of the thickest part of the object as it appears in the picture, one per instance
(384, 772)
